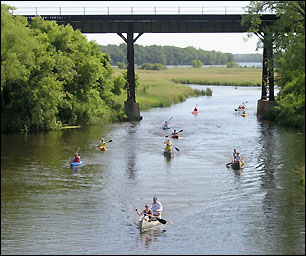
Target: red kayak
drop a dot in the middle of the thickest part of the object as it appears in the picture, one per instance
(175, 136)
(195, 112)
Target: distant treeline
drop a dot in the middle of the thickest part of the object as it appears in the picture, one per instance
(166, 55)
(171, 55)
(252, 57)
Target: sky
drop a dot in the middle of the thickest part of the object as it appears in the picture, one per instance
(222, 42)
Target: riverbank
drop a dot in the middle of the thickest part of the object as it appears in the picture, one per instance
(162, 88)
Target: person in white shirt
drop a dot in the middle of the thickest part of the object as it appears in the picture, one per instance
(156, 207)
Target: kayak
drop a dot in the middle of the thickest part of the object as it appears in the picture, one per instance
(195, 112)
(237, 165)
(176, 136)
(244, 114)
(102, 148)
(166, 127)
(73, 164)
(145, 225)
(168, 153)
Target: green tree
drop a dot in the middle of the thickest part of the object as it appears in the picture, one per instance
(196, 64)
(52, 76)
(232, 64)
(121, 65)
(288, 36)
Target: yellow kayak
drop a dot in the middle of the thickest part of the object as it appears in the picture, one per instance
(102, 148)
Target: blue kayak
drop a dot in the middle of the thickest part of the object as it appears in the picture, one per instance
(73, 164)
(166, 127)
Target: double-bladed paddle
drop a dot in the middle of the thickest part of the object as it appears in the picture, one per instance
(171, 134)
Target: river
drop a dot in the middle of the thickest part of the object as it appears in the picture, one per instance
(48, 208)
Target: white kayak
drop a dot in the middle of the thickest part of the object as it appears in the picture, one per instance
(145, 224)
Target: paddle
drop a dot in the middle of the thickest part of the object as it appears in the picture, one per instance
(170, 135)
(161, 220)
(227, 165)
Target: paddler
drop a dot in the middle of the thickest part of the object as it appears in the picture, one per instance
(102, 145)
(174, 133)
(146, 212)
(76, 158)
(156, 207)
(168, 145)
(166, 125)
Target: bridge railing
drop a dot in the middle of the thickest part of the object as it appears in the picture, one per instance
(126, 10)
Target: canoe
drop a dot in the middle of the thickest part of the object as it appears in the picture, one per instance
(176, 136)
(146, 225)
(237, 165)
(168, 153)
(195, 112)
(73, 164)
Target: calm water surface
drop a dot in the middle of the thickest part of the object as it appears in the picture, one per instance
(47, 208)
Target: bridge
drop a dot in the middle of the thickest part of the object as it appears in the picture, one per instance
(165, 23)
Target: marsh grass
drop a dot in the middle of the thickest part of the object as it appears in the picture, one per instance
(161, 88)
(219, 76)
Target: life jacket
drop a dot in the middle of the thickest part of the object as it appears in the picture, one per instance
(76, 159)
(168, 146)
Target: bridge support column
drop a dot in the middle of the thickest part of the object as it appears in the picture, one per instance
(130, 105)
(267, 101)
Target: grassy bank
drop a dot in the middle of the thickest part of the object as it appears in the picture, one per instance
(161, 88)
(218, 76)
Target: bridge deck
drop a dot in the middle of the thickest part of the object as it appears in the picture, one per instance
(154, 23)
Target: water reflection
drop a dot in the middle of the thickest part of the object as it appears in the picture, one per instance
(152, 235)
(273, 162)
(131, 145)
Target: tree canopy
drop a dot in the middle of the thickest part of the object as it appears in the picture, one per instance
(52, 76)
(288, 37)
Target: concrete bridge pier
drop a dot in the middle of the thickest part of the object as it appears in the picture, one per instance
(267, 101)
(130, 105)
